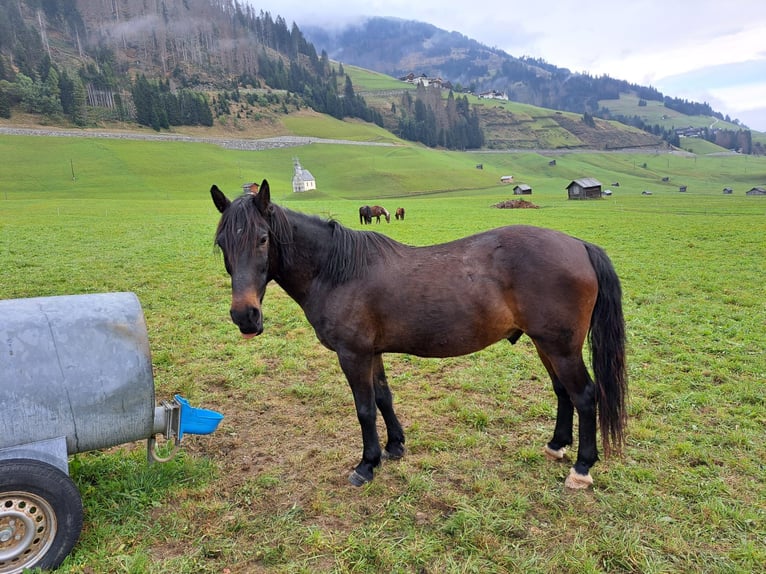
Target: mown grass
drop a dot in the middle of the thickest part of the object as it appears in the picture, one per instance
(268, 490)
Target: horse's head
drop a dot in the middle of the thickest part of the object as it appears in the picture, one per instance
(244, 236)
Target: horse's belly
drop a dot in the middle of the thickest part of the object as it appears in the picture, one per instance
(446, 341)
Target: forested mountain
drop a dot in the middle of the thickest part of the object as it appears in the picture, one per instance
(398, 47)
(169, 62)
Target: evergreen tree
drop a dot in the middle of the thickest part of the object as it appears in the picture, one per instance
(5, 103)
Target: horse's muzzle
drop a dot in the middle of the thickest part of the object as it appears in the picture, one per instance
(249, 320)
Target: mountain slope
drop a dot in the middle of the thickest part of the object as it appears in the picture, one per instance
(398, 47)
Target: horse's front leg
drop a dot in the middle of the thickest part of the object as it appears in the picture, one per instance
(383, 398)
(358, 371)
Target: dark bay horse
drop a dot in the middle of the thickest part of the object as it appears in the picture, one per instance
(399, 214)
(377, 211)
(365, 214)
(459, 297)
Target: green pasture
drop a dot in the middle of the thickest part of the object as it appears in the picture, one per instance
(268, 493)
(367, 80)
(333, 128)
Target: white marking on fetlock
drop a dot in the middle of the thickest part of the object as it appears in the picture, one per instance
(554, 454)
(577, 481)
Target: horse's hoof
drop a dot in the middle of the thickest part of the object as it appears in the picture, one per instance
(577, 481)
(357, 479)
(551, 454)
(387, 455)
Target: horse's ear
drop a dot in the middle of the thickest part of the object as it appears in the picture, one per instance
(263, 199)
(221, 201)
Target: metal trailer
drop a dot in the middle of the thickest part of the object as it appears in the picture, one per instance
(75, 376)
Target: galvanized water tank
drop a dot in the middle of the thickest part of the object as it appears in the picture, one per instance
(77, 366)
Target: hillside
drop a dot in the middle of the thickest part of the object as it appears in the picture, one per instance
(398, 48)
(219, 65)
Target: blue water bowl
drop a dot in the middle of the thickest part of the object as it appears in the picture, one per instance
(196, 421)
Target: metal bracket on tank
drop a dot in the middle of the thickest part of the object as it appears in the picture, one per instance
(167, 420)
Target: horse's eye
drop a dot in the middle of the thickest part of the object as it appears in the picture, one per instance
(263, 240)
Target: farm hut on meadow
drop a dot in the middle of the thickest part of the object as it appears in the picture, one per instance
(727, 191)
(522, 189)
(506, 179)
(250, 187)
(757, 191)
(302, 178)
(584, 188)
(682, 188)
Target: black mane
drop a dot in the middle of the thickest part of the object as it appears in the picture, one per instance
(352, 252)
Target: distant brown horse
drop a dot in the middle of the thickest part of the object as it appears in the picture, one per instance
(365, 214)
(459, 297)
(377, 211)
(399, 213)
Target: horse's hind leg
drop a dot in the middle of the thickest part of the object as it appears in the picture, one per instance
(574, 390)
(385, 403)
(562, 434)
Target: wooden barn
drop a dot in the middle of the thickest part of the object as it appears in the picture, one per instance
(727, 191)
(506, 179)
(584, 188)
(756, 191)
(522, 189)
(250, 187)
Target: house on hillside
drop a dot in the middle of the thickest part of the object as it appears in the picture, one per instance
(727, 191)
(584, 188)
(757, 191)
(493, 95)
(506, 179)
(302, 178)
(522, 189)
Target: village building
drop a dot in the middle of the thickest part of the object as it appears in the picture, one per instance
(302, 178)
(584, 188)
(493, 95)
(757, 191)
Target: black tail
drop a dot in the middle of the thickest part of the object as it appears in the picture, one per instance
(607, 344)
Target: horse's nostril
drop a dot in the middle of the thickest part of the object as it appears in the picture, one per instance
(247, 319)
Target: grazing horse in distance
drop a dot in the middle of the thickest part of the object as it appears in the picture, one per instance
(459, 297)
(365, 214)
(399, 213)
(377, 211)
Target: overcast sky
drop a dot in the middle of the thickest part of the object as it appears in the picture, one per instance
(703, 50)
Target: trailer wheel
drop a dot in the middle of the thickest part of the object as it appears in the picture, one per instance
(40, 515)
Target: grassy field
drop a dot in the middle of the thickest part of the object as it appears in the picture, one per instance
(268, 492)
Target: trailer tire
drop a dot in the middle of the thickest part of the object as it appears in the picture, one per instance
(40, 515)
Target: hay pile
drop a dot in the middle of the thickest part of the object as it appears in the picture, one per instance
(516, 204)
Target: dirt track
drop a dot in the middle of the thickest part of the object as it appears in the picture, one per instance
(229, 143)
